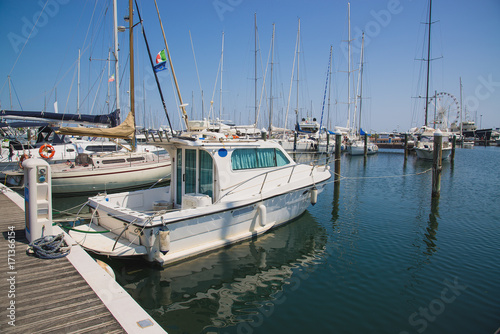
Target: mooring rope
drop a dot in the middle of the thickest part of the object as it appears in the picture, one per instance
(49, 247)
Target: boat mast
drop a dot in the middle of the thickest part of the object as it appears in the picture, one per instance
(428, 62)
(271, 84)
(361, 80)
(131, 41)
(255, 67)
(10, 93)
(78, 91)
(182, 105)
(298, 64)
(115, 54)
(349, 66)
(220, 90)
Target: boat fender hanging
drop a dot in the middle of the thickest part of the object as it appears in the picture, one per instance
(164, 236)
(47, 151)
(314, 195)
(262, 211)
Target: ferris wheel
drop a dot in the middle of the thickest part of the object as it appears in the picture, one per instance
(445, 106)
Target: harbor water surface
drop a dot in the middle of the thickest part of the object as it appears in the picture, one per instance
(375, 255)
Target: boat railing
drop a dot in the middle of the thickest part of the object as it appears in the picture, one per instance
(233, 189)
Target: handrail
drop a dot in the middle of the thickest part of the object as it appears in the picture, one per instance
(265, 178)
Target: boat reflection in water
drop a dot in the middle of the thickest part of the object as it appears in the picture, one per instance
(226, 287)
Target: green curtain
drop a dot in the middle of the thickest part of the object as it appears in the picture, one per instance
(206, 174)
(190, 171)
(249, 158)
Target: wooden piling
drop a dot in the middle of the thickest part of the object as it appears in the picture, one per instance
(338, 149)
(437, 164)
(295, 141)
(327, 142)
(406, 146)
(366, 145)
(453, 146)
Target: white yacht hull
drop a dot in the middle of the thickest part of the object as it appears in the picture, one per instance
(428, 153)
(359, 149)
(190, 231)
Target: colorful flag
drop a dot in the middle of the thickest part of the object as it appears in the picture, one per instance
(111, 78)
(161, 66)
(161, 57)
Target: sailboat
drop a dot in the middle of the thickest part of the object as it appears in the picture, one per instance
(222, 191)
(107, 171)
(355, 144)
(424, 146)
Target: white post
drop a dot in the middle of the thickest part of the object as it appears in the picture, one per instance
(38, 199)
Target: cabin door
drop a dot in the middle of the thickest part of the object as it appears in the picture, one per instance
(194, 173)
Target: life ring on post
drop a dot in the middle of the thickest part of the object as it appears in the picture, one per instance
(47, 151)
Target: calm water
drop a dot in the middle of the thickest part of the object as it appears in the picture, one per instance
(374, 255)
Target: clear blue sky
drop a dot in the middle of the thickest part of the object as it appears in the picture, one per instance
(465, 36)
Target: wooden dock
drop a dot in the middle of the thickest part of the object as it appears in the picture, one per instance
(50, 295)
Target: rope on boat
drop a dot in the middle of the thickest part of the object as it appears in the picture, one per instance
(49, 247)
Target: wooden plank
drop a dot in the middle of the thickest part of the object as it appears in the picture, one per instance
(49, 296)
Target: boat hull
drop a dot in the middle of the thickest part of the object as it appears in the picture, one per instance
(428, 153)
(196, 230)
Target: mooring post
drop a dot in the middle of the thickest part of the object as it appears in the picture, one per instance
(295, 141)
(366, 145)
(437, 163)
(338, 149)
(327, 142)
(406, 146)
(453, 146)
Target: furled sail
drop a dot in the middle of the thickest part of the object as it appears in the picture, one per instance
(124, 131)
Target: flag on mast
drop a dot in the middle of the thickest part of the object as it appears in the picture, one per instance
(111, 78)
(161, 61)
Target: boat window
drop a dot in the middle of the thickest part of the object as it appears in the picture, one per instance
(190, 161)
(179, 176)
(112, 161)
(250, 158)
(206, 174)
(101, 148)
(135, 159)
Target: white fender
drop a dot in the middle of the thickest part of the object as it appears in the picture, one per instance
(262, 211)
(164, 236)
(314, 195)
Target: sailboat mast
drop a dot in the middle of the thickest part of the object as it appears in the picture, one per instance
(221, 69)
(361, 79)
(329, 86)
(78, 90)
(131, 41)
(255, 66)
(349, 65)
(298, 64)
(428, 62)
(271, 85)
(10, 93)
(182, 105)
(115, 54)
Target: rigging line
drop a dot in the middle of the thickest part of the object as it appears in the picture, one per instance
(15, 92)
(291, 84)
(198, 75)
(24, 45)
(70, 89)
(263, 91)
(97, 90)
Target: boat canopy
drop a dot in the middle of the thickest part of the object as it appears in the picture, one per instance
(112, 119)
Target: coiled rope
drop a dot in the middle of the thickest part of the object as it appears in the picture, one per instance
(49, 247)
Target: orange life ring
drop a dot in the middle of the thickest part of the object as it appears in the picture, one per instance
(47, 151)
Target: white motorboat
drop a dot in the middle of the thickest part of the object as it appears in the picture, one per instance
(425, 144)
(221, 191)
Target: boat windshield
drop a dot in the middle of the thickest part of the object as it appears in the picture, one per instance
(251, 158)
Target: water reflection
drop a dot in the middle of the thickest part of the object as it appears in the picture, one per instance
(432, 226)
(223, 287)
